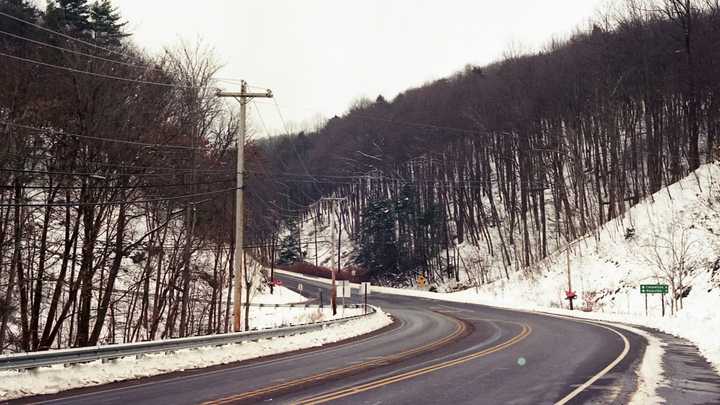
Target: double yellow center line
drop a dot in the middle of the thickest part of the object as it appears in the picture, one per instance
(352, 390)
(460, 330)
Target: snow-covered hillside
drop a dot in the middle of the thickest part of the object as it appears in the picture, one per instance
(671, 238)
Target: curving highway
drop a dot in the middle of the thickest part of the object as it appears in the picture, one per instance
(435, 352)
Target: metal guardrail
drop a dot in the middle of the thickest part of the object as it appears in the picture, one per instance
(30, 360)
(301, 305)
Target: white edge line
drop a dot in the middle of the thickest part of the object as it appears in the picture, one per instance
(604, 371)
(600, 324)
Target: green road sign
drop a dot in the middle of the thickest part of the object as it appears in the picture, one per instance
(653, 288)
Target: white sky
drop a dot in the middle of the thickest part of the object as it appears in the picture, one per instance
(319, 55)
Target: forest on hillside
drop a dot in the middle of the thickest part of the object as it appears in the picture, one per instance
(117, 168)
(521, 156)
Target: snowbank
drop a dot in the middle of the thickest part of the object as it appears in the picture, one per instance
(280, 295)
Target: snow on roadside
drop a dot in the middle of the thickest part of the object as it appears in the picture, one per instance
(271, 317)
(48, 380)
(280, 295)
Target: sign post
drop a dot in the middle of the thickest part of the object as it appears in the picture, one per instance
(366, 290)
(569, 294)
(661, 289)
(345, 291)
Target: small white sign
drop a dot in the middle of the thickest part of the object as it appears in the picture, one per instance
(365, 288)
(300, 287)
(344, 290)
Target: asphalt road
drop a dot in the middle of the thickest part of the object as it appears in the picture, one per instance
(435, 353)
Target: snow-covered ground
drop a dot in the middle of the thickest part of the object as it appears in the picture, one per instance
(672, 237)
(53, 379)
(679, 226)
(270, 317)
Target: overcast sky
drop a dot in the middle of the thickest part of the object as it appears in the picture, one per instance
(320, 55)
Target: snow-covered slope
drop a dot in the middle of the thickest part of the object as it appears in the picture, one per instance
(672, 237)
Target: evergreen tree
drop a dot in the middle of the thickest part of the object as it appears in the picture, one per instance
(71, 16)
(378, 250)
(105, 24)
(290, 246)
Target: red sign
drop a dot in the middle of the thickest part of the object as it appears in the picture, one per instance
(570, 295)
(277, 282)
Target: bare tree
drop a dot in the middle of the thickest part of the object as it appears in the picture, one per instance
(675, 256)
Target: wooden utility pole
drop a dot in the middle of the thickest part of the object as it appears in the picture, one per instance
(243, 97)
(569, 280)
(334, 270)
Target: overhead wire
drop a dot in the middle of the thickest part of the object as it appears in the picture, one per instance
(100, 75)
(79, 53)
(68, 37)
(113, 176)
(104, 203)
(139, 186)
(262, 121)
(129, 165)
(292, 144)
(87, 43)
(101, 139)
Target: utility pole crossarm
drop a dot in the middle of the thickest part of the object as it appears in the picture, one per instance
(243, 97)
(235, 94)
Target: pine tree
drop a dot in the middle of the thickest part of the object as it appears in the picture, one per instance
(71, 16)
(378, 250)
(105, 24)
(289, 246)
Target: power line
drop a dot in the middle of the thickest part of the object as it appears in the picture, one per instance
(75, 52)
(97, 138)
(420, 125)
(100, 75)
(292, 144)
(402, 122)
(365, 177)
(313, 175)
(139, 186)
(262, 121)
(81, 204)
(84, 174)
(68, 37)
(87, 55)
(132, 166)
